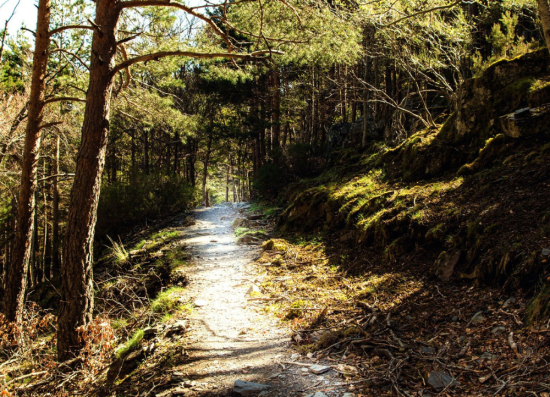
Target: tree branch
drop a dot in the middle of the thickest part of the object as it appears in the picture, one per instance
(423, 12)
(158, 55)
(64, 98)
(189, 10)
(48, 125)
(63, 28)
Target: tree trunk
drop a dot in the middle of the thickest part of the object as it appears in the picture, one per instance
(56, 257)
(227, 180)
(544, 12)
(366, 97)
(205, 197)
(18, 271)
(76, 270)
(276, 112)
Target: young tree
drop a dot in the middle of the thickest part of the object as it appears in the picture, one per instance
(17, 273)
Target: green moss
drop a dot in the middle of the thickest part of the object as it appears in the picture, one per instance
(130, 345)
(539, 308)
(166, 300)
(298, 304)
(275, 245)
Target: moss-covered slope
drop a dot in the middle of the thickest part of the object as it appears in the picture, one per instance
(469, 200)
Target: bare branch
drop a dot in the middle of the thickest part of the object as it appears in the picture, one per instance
(423, 12)
(68, 27)
(189, 10)
(48, 125)
(128, 75)
(64, 99)
(71, 54)
(158, 55)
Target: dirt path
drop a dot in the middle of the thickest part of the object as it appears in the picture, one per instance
(231, 338)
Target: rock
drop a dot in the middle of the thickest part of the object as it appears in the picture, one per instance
(177, 328)
(488, 356)
(546, 252)
(445, 264)
(318, 394)
(240, 222)
(525, 122)
(348, 395)
(200, 303)
(440, 380)
(319, 369)
(253, 290)
(248, 388)
(428, 350)
(478, 318)
(247, 239)
(454, 319)
(498, 330)
(509, 301)
(180, 391)
(275, 245)
(254, 217)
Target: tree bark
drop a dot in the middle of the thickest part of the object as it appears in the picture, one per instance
(56, 257)
(205, 197)
(544, 12)
(276, 112)
(76, 269)
(18, 271)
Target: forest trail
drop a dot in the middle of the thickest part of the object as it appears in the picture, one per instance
(231, 338)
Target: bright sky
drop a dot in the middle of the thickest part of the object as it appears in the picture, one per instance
(25, 14)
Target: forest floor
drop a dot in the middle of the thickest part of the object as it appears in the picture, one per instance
(231, 337)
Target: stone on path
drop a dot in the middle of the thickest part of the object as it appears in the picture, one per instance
(478, 318)
(440, 380)
(248, 388)
(200, 303)
(319, 369)
(318, 394)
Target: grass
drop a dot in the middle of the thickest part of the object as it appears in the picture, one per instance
(130, 345)
(117, 253)
(166, 300)
(165, 235)
(243, 231)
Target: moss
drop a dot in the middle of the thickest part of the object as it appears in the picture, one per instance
(297, 304)
(166, 300)
(275, 245)
(539, 308)
(130, 345)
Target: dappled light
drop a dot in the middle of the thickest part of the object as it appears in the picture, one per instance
(274, 198)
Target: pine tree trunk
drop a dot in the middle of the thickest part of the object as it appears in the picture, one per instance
(276, 113)
(544, 12)
(17, 273)
(205, 197)
(76, 270)
(56, 257)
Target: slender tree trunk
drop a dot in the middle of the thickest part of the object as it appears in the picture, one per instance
(205, 171)
(17, 273)
(76, 270)
(544, 12)
(366, 97)
(276, 113)
(56, 257)
(146, 151)
(227, 180)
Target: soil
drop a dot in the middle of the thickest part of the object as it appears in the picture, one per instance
(231, 337)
